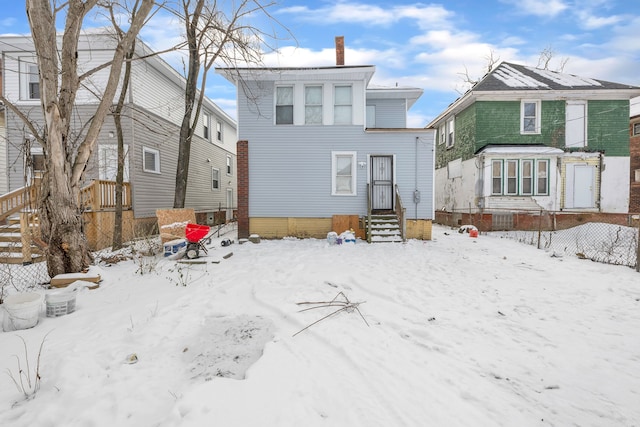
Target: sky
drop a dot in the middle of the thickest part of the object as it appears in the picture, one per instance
(455, 331)
(432, 46)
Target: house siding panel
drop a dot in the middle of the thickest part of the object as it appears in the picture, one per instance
(607, 128)
(390, 113)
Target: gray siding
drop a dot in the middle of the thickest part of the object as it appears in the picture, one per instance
(390, 113)
(290, 166)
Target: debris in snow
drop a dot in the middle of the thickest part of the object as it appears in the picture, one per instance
(467, 228)
(343, 303)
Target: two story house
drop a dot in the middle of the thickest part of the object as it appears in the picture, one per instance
(151, 121)
(321, 150)
(529, 139)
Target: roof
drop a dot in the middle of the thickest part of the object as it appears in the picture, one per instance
(509, 76)
(509, 81)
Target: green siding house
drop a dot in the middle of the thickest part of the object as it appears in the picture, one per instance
(524, 138)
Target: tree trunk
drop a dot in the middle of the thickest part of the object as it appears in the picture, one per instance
(61, 222)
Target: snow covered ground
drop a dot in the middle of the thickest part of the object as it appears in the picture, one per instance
(457, 331)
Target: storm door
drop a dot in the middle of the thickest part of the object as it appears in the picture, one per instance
(381, 182)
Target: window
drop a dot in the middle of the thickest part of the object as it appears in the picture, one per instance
(229, 164)
(150, 160)
(530, 117)
(313, 105)
(284, 105)
(206, 125)
(512, 177)
(542, 180)
(29, 79)
(450, 132)
(342, 105)
(108, 162)
(496, 177)
(343, 173)
(219, 131)
(526, 182)
(215, 179)
(636, 129)
(442, 134)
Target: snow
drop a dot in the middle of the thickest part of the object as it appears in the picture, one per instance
(457, 331)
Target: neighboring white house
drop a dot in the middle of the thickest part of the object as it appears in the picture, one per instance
(151, 121)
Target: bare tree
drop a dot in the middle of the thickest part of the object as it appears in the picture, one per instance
(545, 58)
(60, 211)
(212, 37)
(469, 81)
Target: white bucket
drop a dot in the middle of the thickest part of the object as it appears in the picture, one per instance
(21, 311)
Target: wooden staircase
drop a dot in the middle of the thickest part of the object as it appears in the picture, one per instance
(16, 243)
(385, 228)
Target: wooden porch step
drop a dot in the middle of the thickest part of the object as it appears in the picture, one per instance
(385, 229)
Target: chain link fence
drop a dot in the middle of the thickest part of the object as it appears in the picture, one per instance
(601, 237)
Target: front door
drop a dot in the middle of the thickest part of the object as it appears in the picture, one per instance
(583, 186)
(381, 182)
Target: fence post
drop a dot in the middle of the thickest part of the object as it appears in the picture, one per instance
(25, 232)
(540, 229)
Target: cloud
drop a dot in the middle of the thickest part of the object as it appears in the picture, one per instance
(8, 22)
(542, 8)
(371, 15)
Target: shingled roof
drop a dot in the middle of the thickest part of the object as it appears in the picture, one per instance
(509, 76)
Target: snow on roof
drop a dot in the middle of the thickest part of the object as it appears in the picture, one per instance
(521, 149)
(565, 79)
(514, 78)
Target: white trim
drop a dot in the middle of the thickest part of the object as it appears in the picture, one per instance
(334, 171)
(537, 117)
(156, 153)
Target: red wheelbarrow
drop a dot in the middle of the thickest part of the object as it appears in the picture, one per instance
(197, 236)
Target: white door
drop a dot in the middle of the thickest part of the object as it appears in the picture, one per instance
(575, 128)
(583, 186)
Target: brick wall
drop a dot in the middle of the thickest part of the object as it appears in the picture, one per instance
(243, 189)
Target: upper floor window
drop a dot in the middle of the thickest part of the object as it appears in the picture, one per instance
(206, 126)
(442, 134)
(29, 79)
(313, 105)
(636, 129)
(530, 117)
(150, 160)
(342, 105)
(284, 105)
(219, 131)
(450, 132)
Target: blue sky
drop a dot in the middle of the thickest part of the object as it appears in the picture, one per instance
(432, 45)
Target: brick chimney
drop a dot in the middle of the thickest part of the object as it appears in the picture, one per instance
(339, 50)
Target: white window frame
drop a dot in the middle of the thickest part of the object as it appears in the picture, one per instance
(108, 161)
(335, 155)
(442, 134)
(343, 106)
(229, 165)
(215, 178)
(500, 187)
(27, 67)
(450, 131)
(277, 106)
(636, 129)
(537, 118)
(206, 126)
(308, 105)
(537, 189)
(531, 178)
(508, 177)
(156, 153)
(219, 128)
